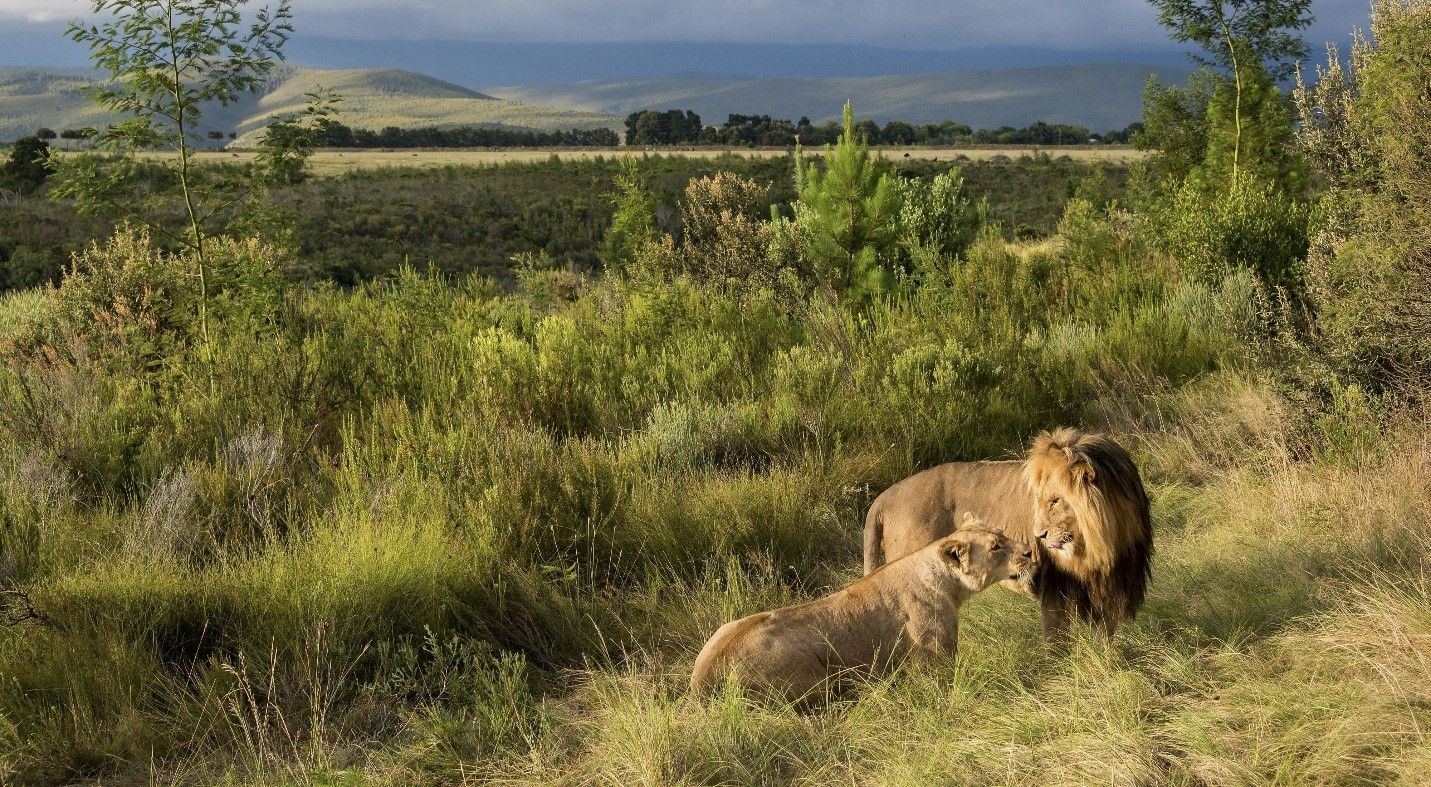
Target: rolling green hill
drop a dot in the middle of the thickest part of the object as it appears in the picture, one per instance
(372, 98)
(1100, 97)
(31, 99)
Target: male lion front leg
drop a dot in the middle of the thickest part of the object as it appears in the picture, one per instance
(1057, 612)
(1103, 630)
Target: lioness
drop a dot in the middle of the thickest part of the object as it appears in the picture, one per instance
(908, 606)
(1077, 498)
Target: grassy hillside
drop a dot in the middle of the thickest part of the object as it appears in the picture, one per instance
(372, 98)
(31, 99)
(1100, 97)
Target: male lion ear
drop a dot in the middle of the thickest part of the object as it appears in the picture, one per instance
(1084, 472)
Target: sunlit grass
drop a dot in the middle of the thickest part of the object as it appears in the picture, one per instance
(424, 532)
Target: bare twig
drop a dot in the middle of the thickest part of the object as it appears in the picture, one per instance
(16, 608)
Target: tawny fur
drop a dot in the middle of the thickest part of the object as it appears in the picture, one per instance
(1074, 481)
(910, 606)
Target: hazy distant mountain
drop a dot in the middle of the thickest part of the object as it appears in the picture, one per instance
(525, 63)
(1101, 97)
(371, 98)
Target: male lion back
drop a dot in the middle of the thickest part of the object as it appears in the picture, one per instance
(927, 506)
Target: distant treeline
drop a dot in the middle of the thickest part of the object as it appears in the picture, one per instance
(677, 127)
(338, 135)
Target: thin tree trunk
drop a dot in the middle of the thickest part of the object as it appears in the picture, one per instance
(195, 227)
(1237, 99)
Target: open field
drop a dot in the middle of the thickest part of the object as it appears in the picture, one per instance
(371, 212)
(333, 162)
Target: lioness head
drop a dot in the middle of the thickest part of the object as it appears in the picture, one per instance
(980, 557)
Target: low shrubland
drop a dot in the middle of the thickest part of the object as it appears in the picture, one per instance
(472, 219)
(424, 530)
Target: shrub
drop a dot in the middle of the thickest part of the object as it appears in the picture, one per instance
(937, 220)
(1364, 127)
(1251, 226)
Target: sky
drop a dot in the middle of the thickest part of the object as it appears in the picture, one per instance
(29, 28)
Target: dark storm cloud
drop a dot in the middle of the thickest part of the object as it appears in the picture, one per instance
(924, 24)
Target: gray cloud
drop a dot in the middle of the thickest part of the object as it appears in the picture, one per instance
(924, 24)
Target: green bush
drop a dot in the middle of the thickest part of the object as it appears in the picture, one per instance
(1251, 226)
(1364, 130)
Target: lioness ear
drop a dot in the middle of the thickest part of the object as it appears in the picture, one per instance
(968, 520)
(958, 553)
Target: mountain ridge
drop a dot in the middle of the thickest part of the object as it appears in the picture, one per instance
(31, 98)
(1098, 96)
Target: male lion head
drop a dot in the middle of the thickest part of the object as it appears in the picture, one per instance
(1057, 525)
(1091, 515)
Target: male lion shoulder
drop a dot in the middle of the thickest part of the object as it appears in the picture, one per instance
(1077, 496)
(909, 606)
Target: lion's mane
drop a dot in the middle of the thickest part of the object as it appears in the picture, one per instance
(1107, 580)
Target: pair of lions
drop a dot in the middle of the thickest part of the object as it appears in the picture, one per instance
(1076, 506)
(1077, 496)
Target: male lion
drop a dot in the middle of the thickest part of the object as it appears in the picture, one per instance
(909, 606)
(1077, 496)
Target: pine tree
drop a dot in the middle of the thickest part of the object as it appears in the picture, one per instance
(634, 224)
(850, 215)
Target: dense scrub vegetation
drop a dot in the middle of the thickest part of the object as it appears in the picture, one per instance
(475, 219)
(441, 529)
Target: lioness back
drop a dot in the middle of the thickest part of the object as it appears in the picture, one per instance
(908, 605)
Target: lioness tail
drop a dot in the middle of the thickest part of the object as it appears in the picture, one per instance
(874, 538)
